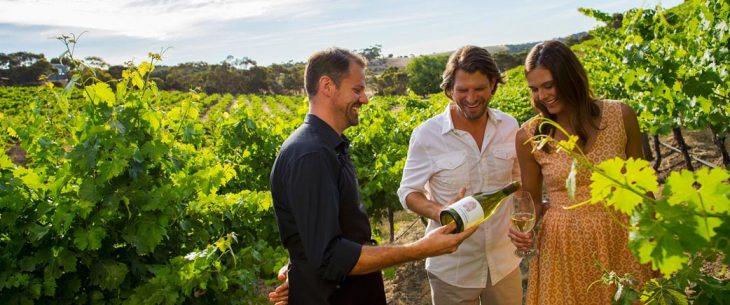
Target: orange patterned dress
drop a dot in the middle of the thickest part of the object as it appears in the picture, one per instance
(575, 244)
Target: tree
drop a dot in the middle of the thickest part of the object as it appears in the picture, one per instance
(372, 53)
(288, 77)
(393, 81)
(23, 68)
(506, 60)
(424, 73)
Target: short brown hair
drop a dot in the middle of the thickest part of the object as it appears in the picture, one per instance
(470, 59)
(332, 62)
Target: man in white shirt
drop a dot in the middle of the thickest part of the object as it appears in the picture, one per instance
(467, 146)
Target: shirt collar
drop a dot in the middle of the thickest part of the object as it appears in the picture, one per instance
(448, 123)
(339, 143)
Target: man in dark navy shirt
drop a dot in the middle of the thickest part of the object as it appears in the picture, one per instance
(317, 202)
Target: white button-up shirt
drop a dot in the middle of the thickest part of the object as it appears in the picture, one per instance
(441, 160)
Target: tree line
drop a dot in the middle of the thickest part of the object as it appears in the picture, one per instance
(244, 75)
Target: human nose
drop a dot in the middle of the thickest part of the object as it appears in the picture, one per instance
(363, 99)
(541, 94)
(471, 96)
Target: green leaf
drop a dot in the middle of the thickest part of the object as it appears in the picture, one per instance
(601, 184)
(137, 80)
(670, 257)
(145, 236)
(714, 188)
(706, 226)
(614, 178)
(108, 274)
(680, 188)
(66, 260)
(100, 92)
(5, 162)
(112, 168)
(29, 178)
(38, 232)
(641, 175)
(89, 239)
(145, 67)
(87, 191)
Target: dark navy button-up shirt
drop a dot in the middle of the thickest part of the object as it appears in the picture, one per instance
(321, 220)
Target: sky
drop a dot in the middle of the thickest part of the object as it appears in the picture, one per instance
(279, 31)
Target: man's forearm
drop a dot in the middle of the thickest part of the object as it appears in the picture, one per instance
(374, 258)
(418, 203)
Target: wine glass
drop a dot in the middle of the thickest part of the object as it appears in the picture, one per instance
(523, 217)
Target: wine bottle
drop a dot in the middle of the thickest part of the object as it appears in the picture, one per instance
(473, 210)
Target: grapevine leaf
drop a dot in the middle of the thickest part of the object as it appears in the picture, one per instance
(145, 236)
(641, 175)
(29, 178)
(83, 208)
(137, 80)
(38, 232)
(714, 189)
(680, 188)
(12, 132)
(89, 239)
(5, 162)
(112, 168)
(706, 226)
(87, 191)
(605, 185)
(145, 67)
(100, 92)
(601, 186)
(108, 274)
(671, 256)
(66, 260)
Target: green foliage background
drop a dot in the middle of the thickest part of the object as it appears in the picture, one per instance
(132, 195)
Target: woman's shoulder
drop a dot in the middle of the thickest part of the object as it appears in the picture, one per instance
(530, 125)
(612, 104)
(617, 107)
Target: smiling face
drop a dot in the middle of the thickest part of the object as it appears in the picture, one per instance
(544, 90)
(471, 93)
(350, 95)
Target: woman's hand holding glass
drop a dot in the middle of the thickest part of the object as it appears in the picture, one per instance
(523, 220)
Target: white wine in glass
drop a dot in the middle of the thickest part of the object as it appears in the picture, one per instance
(523, 217)
(523, 221)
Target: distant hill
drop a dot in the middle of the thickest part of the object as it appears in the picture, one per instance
(514, 54)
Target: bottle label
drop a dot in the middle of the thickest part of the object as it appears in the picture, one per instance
(469, 210)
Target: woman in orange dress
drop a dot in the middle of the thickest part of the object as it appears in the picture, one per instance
(574, 246)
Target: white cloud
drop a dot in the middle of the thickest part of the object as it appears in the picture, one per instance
(160, 19)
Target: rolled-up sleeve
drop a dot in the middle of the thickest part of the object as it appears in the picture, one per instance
(315, 205)
(416, 171)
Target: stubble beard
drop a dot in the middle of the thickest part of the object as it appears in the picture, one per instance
(468, 112)
(352, 113)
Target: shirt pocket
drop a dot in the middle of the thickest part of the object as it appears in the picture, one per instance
(501, 161)
(452, 171)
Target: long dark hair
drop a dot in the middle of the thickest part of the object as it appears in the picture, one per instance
(571, 81)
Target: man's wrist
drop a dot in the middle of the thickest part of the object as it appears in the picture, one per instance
(436, 215)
